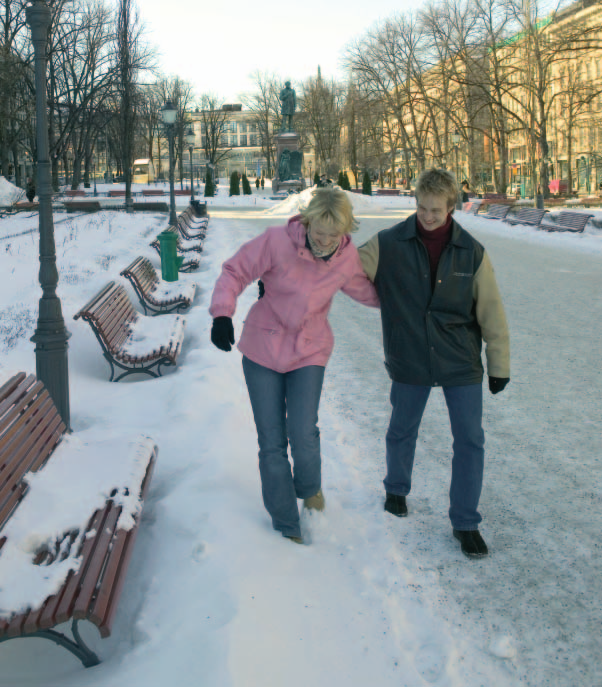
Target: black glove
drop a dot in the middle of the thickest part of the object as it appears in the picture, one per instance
(497, 384)
(261, 289)
(222, 333)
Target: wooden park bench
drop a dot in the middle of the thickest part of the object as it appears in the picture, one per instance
(191, 227)
(387, 191)
(78, 572)
(181, 192)
(567, 221)
(127, 338)
(153, 206)
(116, 194)
(530, 216)
(152, 192)
(497, 212)
(156, 296)
(184, 245)
(82, 205)
(75, 193)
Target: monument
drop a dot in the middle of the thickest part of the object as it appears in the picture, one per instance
(289, 159)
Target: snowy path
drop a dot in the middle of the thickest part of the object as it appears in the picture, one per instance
(215, 598)
(537, 597)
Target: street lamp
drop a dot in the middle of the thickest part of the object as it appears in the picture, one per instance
(456, 138)
(51, 335)
(190, 139)
(311, 179)
(169, 114)
(94, 175)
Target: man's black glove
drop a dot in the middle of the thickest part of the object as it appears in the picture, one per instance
(261, 289)
(497, 384)
(222, 333)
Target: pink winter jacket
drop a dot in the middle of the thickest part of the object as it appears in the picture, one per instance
(288, 328)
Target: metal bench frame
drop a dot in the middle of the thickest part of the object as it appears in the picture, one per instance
(498, 211)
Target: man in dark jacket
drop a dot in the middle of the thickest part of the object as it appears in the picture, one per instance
(439, 302)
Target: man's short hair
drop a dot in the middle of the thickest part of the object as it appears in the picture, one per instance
(438, 182)
(330, 207)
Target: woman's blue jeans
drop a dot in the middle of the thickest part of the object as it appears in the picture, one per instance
(285, 408)
(465, 406)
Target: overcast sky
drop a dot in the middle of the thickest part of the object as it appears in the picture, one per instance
(216, 45)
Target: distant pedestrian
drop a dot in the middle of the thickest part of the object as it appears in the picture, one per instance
(262, 183)
(465, 190)
(257, 183)
(286, 341)
(30, 189)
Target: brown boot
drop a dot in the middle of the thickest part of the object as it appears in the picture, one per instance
(315, 502)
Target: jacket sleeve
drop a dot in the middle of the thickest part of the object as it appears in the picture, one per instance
(360, 288)
(369, 257)
(248, 264)
(492, 320)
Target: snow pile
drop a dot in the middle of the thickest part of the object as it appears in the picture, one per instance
(86, 469)
(171, 290)
(150, 334)
(9, 193)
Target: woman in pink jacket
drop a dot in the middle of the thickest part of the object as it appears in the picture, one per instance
(286, 341)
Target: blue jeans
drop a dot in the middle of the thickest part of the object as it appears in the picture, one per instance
(465, 406)
(285, 408)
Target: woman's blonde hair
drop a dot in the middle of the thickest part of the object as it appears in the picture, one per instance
(330, 207)
(438, 182)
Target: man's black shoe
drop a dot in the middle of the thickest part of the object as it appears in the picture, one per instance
(472, 543)
(396, 505)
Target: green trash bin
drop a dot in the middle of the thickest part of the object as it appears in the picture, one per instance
(170, 260)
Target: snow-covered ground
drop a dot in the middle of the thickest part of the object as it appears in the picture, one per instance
(214, 597)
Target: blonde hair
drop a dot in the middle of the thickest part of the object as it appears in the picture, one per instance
(438, 182)
(330, 207)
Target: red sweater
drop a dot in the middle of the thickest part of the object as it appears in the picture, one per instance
(435, 241)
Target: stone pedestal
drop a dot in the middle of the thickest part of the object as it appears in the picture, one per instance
(287, 142)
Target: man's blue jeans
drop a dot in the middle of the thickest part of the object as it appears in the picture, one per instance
(465, 406)
(285, 408)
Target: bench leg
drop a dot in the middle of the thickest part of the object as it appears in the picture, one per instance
(76, 646)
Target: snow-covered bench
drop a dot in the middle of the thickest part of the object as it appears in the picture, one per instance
(184, 245)
(69, 513)
(530, 216)
(497, 212)
(157, 296)
(192, 227)
(567, 221)
(135, 343)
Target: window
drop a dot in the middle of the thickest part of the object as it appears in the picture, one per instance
(233, 140)
(223, 139)
(253, 127)
(203, 128)
(243, 139)
(232, 127)
(253, 140)
(243, 127)
(203, 141)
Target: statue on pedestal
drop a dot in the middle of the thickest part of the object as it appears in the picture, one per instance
(288, 100)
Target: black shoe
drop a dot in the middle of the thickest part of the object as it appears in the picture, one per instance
(472, 543)
(396, 505)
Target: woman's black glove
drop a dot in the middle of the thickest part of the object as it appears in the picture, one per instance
(497, 384)
(222, 333)
(261, 289)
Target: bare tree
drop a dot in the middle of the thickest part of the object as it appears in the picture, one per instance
(214, 121)
(264, 105)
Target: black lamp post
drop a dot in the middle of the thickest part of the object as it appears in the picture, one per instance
(169, 114)
(51, 335)
(456, 138)
(94, 173)
(311, 180)
(190, 139)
